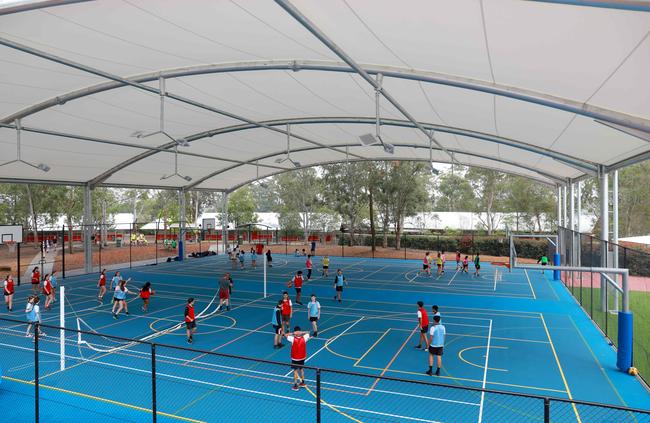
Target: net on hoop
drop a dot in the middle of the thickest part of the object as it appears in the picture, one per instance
(11, 245)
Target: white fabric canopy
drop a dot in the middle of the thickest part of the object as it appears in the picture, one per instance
(549, 91)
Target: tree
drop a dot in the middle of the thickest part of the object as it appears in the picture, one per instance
(488, 186)
(454, 191)
(298, 195)
(346, 192)
(406, 188)
(241, 206)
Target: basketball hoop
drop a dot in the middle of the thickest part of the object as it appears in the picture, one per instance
(11, 245)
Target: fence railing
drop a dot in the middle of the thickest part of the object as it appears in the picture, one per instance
(155, 379)
(602, 303)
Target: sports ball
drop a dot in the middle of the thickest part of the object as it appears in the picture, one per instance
(633, 371)
(289, 284)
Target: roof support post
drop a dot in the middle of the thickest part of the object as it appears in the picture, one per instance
(615, 227)
(604, 233)
(559, 219)
(224, 221)
(572, 220)
(380, 78)
(181, 224)
(88, 228)
(578, 228)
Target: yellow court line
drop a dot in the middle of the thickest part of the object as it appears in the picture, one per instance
(333, 408)
(92, 397)
(598, 362)
(460, 355)
(327, 344)
(529, 284)
(559, 366)
(373, 346)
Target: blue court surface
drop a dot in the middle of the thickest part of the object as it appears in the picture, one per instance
(518, 331)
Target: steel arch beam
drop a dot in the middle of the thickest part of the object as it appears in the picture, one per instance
(517, 93)
(555, 178)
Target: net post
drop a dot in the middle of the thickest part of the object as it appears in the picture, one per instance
(547, 410)
(62, 328)
(37, 330)
(318, 396)
(154, 402)
(265, 259)
(62, 252)
(18, 263)
(625, 329)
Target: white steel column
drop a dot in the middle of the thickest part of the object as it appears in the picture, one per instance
(182, 224)
(88, 229)
(604, 233)
(224, 222)
(572, 221)
(559, 206)
(565, 217)
(615, 218)
(578, 228)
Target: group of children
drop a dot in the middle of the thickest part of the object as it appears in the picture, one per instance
(237, 258)
(441, 259)
(120, 291)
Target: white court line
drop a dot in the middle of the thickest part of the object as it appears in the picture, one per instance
(453, 277)
(529, 284)
(327, 343)
(495, 279)
(485, 370)
(251, 390)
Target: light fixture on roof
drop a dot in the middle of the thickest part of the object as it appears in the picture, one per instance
(187, 178)
(369, 139)
(288, 158)
(40, 166)
(143, 134)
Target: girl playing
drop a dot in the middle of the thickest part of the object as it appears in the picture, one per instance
(326, 266)
(119, 299)
(9, 292)
(439, 264)
(33, 314)
(48, 291)
(458, 262)
(425, 265)
(253, 258)
(102, 286)
(477, 265)
(465, 265)
(145, 293)
(36, 280)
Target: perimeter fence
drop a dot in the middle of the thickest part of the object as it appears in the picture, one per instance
(599, 300)
(157, 380)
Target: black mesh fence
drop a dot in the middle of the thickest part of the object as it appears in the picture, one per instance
(600, 300)
(107, 378)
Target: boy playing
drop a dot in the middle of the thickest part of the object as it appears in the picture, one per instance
(276, 321)
(313, 311)
(339, 280)
(242, 256)
(298, 342)
(458, 263)
(308, 265)
(543, 260)
(287, 311)
(423, 323)
(296, 282)
(437, 335)
(425, 264)
(326, 266)
(190, 320)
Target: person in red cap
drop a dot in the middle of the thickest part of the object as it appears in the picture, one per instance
(298, 342)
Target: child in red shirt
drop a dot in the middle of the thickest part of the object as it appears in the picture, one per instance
(145, 293)
(296, 282)
(190, 320)
(102, 286)
(287, 311)
(298, 342)
(423, 323)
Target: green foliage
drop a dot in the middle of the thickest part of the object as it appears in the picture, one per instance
(241, 206)
(455, 193)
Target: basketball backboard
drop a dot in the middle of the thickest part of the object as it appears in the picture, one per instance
(9, 233)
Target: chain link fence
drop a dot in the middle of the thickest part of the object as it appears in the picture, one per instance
(196, 385)
(599, 300)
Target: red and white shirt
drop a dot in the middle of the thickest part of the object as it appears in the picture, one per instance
(9, 286)
(423, 317)
(298, 346)
(308, 264)
(297, 281)
(145, 293)
(102, 280)
(47, 287)
(36, 277)
(286, 307)
(189, 314)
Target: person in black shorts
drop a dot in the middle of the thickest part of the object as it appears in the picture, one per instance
(269, 259)
(298, 342)
(190, 320)
(276, 321)
(437, 337)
